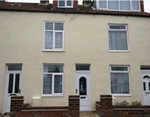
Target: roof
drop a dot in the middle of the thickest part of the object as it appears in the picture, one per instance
(36, 7)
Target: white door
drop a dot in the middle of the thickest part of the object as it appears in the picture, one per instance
(13, 87)
(146, 86)
(83, 89)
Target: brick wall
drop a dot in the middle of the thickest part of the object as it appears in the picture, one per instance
(105, 108)
(75, 4)
(16, 103)
(74, 106)
(23, 110)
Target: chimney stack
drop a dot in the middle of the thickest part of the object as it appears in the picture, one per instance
(142, 5)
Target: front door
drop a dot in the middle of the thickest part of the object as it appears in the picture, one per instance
(13, 81)
(146, 86)
(83, 89)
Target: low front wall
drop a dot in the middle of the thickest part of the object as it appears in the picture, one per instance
(105, 108)
(24, 110)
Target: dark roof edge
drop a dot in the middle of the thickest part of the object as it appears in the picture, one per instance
(74, 12)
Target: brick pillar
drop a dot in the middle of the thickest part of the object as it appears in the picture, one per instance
(106, 105)
(74, 106)
(75, 4)
(55, 2)
(16, 103)
(142, 5)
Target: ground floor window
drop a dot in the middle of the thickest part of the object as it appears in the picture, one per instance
(119, 76)
(53, 80)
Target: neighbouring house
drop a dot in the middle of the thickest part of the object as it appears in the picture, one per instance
(50, 51)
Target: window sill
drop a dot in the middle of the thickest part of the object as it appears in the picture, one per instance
(119, 51)
(121, 95)
(50, 96)
(53, 50)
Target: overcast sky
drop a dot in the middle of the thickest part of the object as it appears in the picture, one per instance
(146, 3)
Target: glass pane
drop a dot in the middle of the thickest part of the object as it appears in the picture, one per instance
(10, 84)
(113, 4)
(14, 67)
(48, 26)
(119, 83)
(82, 87)
(61, 3)
(58, 40)
(58, 26)
(125, 5)
(118, 40)
(102, 4)
(149, 86)
(144, 86)
(58, 84)
(48, 40)
(17, 80)
(117, 27)
(135, 4)
(47, 84)
(82, 67)
(69, 2)
(119, 68)
(53, 68)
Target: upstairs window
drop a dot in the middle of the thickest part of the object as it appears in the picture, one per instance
(54, 36)
(119, 5)
(118, 37)
(65, 3)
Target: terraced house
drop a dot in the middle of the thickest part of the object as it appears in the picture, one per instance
(49, 51)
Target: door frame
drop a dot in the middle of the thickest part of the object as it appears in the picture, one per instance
(143, 72)
(6, 87)
(89, 89)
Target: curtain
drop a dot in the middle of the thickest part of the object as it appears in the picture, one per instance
(119, 83)
(118, 40)
(58, 84)
(48, 40)
(125, 5)
(58, 40)
(47, 84)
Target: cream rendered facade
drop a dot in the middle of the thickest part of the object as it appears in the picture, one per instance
(86, 41)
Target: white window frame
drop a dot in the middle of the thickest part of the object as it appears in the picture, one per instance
(53, 74)
(54, 31)
(128, 71)
(65, 5)
(98, 6)
(126, 29)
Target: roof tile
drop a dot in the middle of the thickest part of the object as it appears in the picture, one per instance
(36, 7)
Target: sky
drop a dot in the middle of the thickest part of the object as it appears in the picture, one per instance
(146, 3)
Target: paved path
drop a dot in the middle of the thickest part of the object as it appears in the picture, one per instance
(88, 114)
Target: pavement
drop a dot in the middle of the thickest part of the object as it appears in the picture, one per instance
(82, 114)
